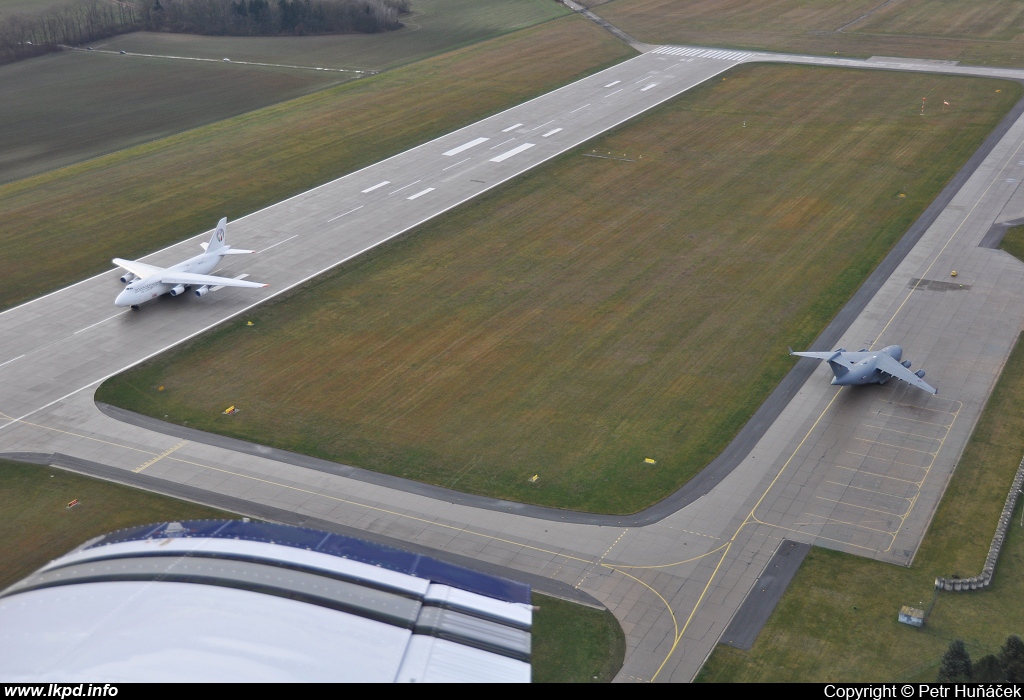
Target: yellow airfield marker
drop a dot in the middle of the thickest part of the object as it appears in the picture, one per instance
(248, 323)
(229, 410)
(649, 461)
(533, 479)
(160, 389)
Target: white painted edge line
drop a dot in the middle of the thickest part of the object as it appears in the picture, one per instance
(466, 146)
(99, 322)
(614, 93)
(792, 58)
(420, 194)
(499, 145)
(343, 260)
(579, 108)
(341, 215)
(403, 188)
(11, 360)
(613, 83)
(645, 89)
(276, 244)
(455, 165)
(508, 154)
(377, 186)
(551, 133)
(514, 126)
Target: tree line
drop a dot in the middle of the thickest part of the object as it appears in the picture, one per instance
(1005, 667)
(86, 21)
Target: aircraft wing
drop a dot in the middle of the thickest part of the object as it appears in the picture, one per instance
(137, 268)
(888, 365)
(816, 355)
(189, 278)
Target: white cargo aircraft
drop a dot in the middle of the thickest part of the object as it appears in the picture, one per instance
(147, 282)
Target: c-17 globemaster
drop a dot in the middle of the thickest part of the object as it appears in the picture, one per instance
(869, 367)
(147, 281)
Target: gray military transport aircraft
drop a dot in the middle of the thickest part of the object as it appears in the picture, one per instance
(147, 281)
(869, 367)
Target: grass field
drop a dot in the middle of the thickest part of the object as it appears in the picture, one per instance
(65, 108)
(137, 200)
(594, 312)
(986, 32)
(433, 26)
(837, 620)
(575, 644)
(1013, 242)
(571, 643)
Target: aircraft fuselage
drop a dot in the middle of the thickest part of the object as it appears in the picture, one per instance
(142, 290)
(864, 370)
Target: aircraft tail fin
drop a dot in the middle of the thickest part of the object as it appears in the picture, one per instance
(219, 238)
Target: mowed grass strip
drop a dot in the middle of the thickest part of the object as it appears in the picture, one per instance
(571, 643)
(1013, 242)
(987, 32)
(575, 644)
(837, 620)
(37, 526)
(598, 311)
(135, 201)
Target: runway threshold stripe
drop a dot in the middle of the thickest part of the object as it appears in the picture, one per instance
(552, 132)
(508, 154)
(377, 186)
(466, 146)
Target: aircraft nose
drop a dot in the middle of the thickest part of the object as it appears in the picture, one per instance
(122, 299)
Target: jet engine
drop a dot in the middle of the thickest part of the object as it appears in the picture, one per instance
(180, 289)
(920, 374)
(906, 363)
(127, 277)
(203, 291)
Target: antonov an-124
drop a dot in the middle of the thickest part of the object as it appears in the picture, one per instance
(146, 282)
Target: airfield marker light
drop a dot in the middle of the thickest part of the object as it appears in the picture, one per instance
(248, 323)
(160, 388)
(73, 503)
(902, 195)
(229, 410)
(952, 273)
(533, 479)
(649, 461)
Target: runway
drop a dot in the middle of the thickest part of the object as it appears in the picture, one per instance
(860, 471)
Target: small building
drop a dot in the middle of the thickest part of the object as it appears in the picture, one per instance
(911, 616)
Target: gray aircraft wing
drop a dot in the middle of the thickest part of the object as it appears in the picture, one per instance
(888, 365)
(171, 277)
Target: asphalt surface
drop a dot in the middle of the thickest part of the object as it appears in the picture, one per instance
(858, 471)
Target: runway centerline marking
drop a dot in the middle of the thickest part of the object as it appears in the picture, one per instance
(12, 360)
(508, 154)
(420, 194)
(466, 146)
(549, 121)
(579, 108)
(455, 165)
(614, 93)
(613, 83)
(342, 214)
(276, 244)
(99, 322)
(377, 186)
(403, 188)
(514, 126)
(551, 133)
(499, 145)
